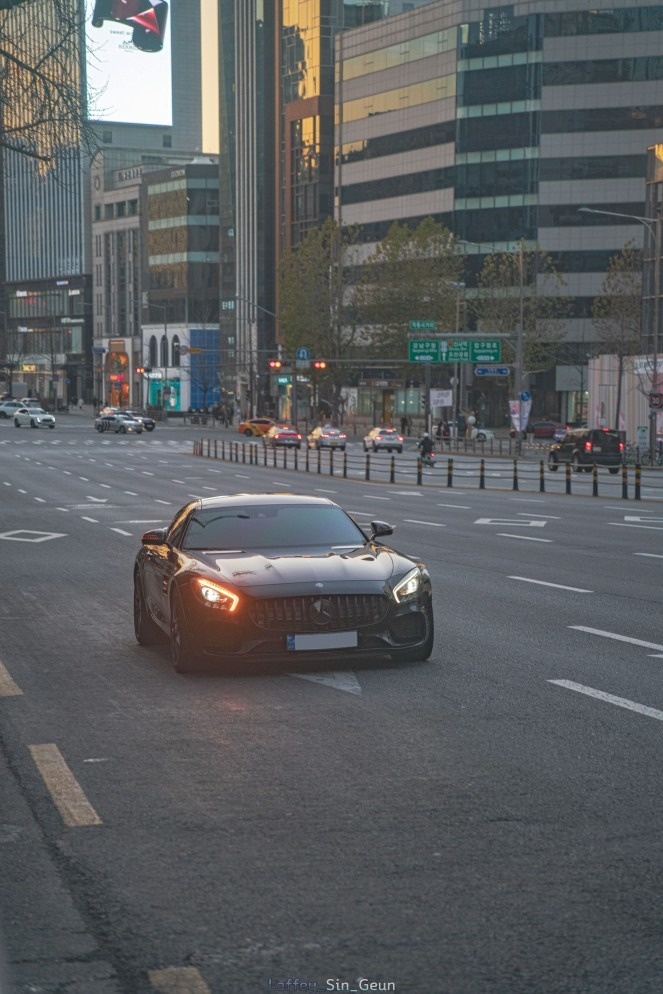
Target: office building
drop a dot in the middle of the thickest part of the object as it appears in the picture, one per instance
(501, 121)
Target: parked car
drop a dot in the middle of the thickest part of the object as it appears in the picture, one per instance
(275, 577)
(148, 423)
(255, 426)
(326, 437)
(8, 408)
(546, 429)
(383, 438)
(119, 423)
(585, 447)
(283, 436)
(31, 402)
(33, 417)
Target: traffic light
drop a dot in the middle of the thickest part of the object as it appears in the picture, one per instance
(319, 364)
(275, 363)
(140, 369)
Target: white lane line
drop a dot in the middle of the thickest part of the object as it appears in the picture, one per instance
(429, 524)
(510, 521)
(527, 500)
(120, 531)
(158, 501)
(525, 538)
(131, 493)
(650, 555)
(94, 521)
(176, 481)
(375, 497)
(404, 493)
(321, 490)
(546, 583)
(462, 507)
(624, 524)
(62, 509)
(366, 514)
(617, 638)
(106, 486)
(84, 479)
(339, 680)
(66, 472)
(146, 472)
(528, 514)
(600, 695)
(41, 500)
(213, 489)
(240, 476)
(22, 491)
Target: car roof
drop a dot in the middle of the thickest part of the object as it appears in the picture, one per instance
(257, 500)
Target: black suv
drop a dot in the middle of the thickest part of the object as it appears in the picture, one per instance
(584, 447)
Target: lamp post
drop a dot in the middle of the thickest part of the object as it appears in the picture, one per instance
(253, 375)
(653, 226)
(458, 287)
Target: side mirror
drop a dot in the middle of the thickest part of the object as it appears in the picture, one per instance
(379, 529)
(156, 536)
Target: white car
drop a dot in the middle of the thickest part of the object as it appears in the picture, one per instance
(8, 408)
(119, 423)
(33, 417)
(482, 434)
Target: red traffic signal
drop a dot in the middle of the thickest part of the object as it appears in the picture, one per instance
(275, 363)
(140, 369)
(319, 364)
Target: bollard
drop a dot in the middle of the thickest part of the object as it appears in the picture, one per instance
(482, 475)
(223, 449)
(285, 456)
(568, 477)
(624, 482)
(319, 460)
(542, 478)
(595, 480)
(392, 470)
(345, 464)
(450, 472)
(420, 474)
(638, 474)
(274, 455)
(515, 474)
(307, 457)
(331, 462)
(368, 466)
(243, 451)
(216, 449)
(296, 458)
(209, 448)
(264, 450)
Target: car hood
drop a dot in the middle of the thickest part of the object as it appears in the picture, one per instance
(286, 570)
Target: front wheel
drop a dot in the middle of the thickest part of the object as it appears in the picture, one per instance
(399, 451)
(552, 464)
(123, 430)
(33, 423)
(149, 427)
(17, 423)
(184, 652)
(613, 469)
(147, 632)
(247, 431)
(420, 653)
(51, 426)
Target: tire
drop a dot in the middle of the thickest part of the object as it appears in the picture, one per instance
(51, 426)
(553, 463)
(17, 423)
(123, 430)
(146, 630)
(33, 423)
(100, 428)
(575, 464)
(149, 427)
(247, 431)
(613, 469)
(400, 451)
(3, 414)
(481, 437)
(184, 653)
(422, 652)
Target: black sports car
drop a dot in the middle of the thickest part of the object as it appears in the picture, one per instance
(277, 576)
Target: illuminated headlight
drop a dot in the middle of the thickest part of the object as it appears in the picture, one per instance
(217, 596)
(408, 587)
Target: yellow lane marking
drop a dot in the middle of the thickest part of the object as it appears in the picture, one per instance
(63, 787)
(7, 686)
(178, 980)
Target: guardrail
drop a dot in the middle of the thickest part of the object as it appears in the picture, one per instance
(514, 474)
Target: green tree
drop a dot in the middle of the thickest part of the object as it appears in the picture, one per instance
(314, 305)
(522, 289)
(409, 276)
(617, 312)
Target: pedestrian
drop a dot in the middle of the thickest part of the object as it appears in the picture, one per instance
(80, 403)
(446, 432)
(403, 425)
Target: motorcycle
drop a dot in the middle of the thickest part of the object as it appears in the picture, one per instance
(428, 459)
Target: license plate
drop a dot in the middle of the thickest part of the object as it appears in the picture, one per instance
(322, 640)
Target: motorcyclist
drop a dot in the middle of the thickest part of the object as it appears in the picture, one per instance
(425, 443)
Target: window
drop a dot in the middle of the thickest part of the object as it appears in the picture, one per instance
(167, 141)
(176, 351)
(164, 351)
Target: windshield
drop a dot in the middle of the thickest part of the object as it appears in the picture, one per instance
(271, 526)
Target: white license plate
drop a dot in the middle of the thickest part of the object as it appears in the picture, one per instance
(322, 640)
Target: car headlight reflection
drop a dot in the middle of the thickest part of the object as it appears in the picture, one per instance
(408, 587)
(216, 596)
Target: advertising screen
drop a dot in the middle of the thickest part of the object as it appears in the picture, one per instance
(129, 61)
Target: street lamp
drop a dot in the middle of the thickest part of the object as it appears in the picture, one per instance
(458, 287)
(653, 226)
(253, 351)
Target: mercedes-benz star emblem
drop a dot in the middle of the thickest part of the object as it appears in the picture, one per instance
(322, 612)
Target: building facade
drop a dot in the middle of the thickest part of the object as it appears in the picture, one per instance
(501, 121)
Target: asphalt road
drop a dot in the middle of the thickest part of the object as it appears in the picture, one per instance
(483, 823)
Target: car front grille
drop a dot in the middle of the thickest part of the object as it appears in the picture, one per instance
(335, 612)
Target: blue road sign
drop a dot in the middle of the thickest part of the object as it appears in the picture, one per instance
(491, 371)
(525, 395)
(303, 354)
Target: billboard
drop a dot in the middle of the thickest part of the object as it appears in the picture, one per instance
(129, 61)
